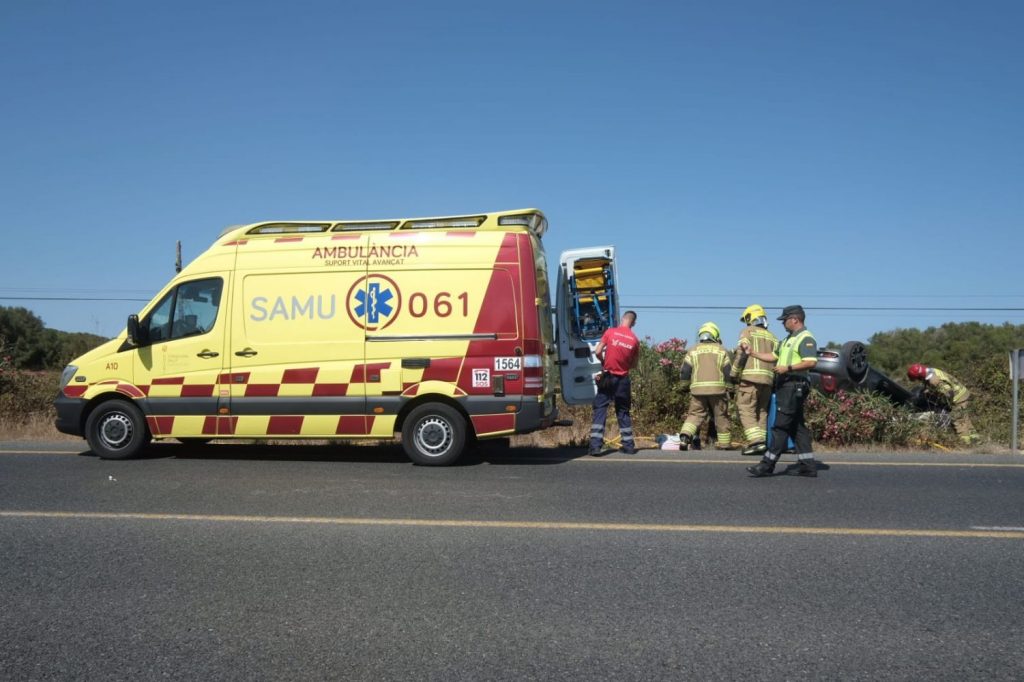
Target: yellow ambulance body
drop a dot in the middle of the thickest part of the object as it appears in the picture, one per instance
(439, 329)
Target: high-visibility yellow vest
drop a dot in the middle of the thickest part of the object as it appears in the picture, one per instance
(708, 361)
(789, 349)
(761, 341)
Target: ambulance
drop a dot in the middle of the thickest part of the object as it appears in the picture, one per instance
(440, 330)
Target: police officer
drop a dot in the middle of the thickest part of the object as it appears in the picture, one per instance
(705, 370)
(945, 386)
(796, 354)
(754, 378)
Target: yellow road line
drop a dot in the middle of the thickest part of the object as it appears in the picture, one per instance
(530, 525)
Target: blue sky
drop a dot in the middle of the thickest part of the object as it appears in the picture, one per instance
(863, 154)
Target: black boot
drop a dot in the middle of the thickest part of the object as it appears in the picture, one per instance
(684, 441)
(755, 449)
(806, 467)
(763, 468)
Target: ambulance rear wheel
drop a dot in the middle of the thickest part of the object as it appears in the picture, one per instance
(434, 434)
(116, 430)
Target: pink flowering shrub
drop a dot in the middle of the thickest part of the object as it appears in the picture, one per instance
(669, 353)
(849, 418)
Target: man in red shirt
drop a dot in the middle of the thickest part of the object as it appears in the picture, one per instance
(618, 351)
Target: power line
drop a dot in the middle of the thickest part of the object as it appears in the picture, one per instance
(55, 291)
(942, 309)
(68, 298)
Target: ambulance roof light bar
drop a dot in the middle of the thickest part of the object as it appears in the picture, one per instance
(445, 223)
(358, 226)
(289, 228)
(532, 221)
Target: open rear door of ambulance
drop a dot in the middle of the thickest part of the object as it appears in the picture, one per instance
(587, 304)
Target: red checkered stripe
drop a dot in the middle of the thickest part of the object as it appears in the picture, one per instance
(274, 425)
(300, 382)
(293, 382)
(297, 382)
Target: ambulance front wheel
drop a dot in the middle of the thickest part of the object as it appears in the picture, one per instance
(434, 434)
(116, 430)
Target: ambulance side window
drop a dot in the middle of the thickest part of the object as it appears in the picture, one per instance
(157, 323)
(189, 309)
(195, 309)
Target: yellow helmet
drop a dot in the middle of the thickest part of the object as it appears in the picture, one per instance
(709, 332)
(752, 313)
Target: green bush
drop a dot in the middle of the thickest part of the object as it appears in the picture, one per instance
(659, 399)
(850, 418)
(25, 394)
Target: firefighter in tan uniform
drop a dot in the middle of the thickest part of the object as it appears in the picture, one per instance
(794, 356)
(947, 387)
(754, 378)
(705, 370)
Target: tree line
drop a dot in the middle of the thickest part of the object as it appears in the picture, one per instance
(27, 343)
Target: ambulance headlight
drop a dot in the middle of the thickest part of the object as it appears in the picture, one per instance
(66, 375)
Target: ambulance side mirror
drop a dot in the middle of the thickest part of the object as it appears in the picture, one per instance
(135, 333)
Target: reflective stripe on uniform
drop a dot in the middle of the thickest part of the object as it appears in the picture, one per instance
(754, 434)
(949, 387)
(708, 361)
(761, 341)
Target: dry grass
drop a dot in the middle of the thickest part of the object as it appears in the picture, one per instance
(34, 426)
(577, 435)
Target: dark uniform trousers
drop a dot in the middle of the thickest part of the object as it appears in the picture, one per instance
(790, 396)
(620, 394)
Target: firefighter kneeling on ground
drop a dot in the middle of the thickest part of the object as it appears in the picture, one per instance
(705, 370)
(754, 378)
(946, 387)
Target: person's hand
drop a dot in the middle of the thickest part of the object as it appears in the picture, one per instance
(781, 369)
(745, 345)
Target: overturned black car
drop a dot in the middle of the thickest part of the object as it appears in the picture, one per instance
(847, 369)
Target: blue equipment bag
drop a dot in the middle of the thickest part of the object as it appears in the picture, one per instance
(790, 445)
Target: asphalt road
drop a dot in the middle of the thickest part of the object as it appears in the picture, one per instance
(238, 562)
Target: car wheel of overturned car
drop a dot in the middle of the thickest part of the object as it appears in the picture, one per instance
(434, 434)
(855, 360)
(116, 430)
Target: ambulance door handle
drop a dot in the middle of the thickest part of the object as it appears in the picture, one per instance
(245, 353)
(207, 354)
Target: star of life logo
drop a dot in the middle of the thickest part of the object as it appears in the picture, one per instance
(374, 302)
